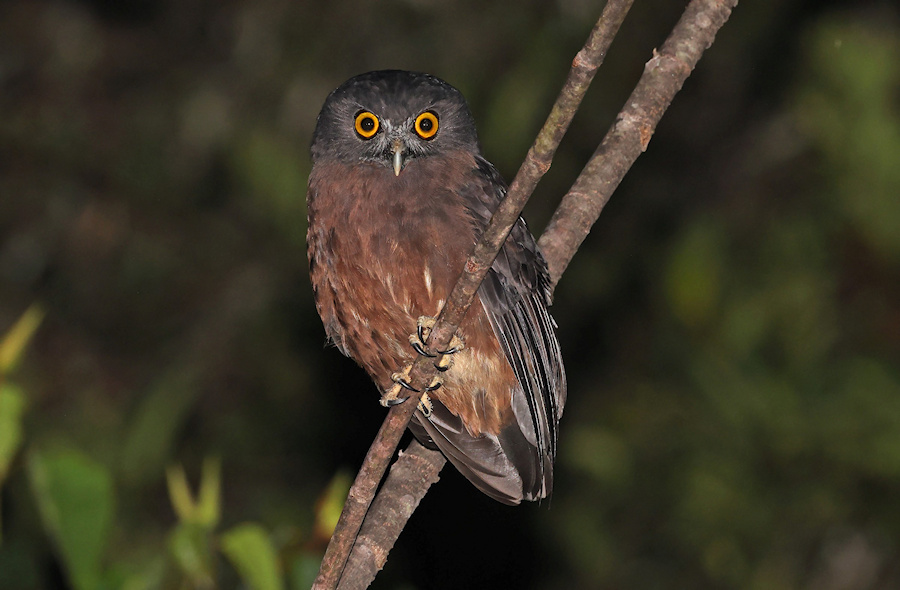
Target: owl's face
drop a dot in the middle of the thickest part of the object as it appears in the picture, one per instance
(391, 117)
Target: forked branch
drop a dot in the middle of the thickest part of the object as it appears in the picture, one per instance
(663, 77)
(536, 164)
(418, 468)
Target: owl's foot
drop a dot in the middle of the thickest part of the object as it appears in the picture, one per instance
(391, 397)
(417, 341)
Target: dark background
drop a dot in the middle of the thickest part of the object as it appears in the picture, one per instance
(731, 327)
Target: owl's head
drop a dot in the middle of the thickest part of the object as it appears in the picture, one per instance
(389, 117)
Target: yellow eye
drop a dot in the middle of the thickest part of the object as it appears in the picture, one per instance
(426, 125)
(366, 124)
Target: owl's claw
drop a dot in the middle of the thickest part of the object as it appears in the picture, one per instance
(425, 405)
(405, 385)
(417, 341)
(389, 402)
(392, 397)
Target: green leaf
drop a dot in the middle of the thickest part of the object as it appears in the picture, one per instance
(205, 510)
(189, 545)
(208, 498)
(331, 503)
(253, 556)
(12, 406)
(75, 499)
(180, 493)
(16, 340)
(150, 575)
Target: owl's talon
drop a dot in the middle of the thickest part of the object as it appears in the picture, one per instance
(417, 346)
(425, 405)
(417, 341)
(442, 363)
(420, 328)
(445, 361)
(392, 396)
(392, 401)
(402, 379)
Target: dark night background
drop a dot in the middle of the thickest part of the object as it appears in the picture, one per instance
(731, 326)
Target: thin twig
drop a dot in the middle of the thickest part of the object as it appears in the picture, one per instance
(663, 77)
(535, 165)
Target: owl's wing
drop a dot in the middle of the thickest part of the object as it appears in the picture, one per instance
(517, 463)
(503, 465)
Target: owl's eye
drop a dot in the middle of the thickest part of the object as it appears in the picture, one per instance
(426, 125)
(366, 124)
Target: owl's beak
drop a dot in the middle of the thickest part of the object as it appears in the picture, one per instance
(398, 156)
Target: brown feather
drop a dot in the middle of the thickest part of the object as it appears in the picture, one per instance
(392, 216)
(384, 251)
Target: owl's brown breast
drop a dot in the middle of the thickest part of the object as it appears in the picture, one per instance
(385, 249)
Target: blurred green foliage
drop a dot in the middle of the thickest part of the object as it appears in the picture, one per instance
(75, 497)
(249, 548)
(731, 327)
(849, 109)
(12, 407)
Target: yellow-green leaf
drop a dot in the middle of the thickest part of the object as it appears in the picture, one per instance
(208, 498)
(12, 406)
(17, 338)
(203, 511)
(330, 505)
(250, 550)
(180, 493)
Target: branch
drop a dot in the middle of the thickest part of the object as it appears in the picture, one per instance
(362, 491)
(411, 476)
(663, 77)
(536, 164)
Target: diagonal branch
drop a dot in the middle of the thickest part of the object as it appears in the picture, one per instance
(407, 483)
(663, 77)
(536, 164)
(416, 469)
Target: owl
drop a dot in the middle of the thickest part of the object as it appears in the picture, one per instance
(398, 195)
